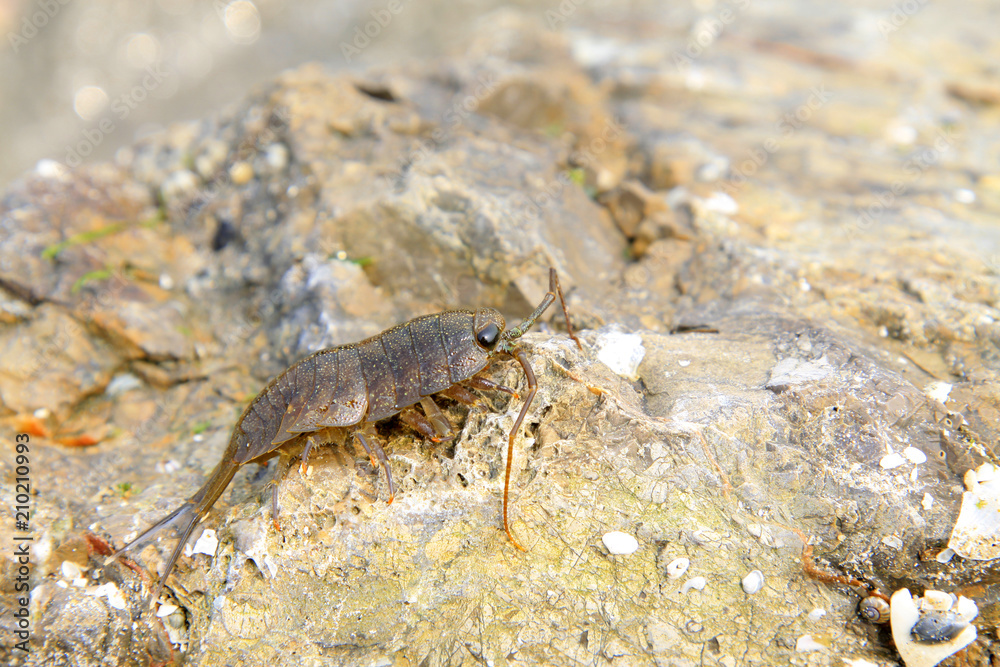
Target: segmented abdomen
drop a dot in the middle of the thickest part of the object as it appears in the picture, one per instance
(366, 381)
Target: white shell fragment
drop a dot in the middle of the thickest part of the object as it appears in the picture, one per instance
(914, 455)
(807, 643)
(677, 567)
(938, 391)
(753, 582)
(891, 461)
(945, 555)
(621, 352)
(817, 614)
(207, 543)
(111, 592)
(976, 530)
(792, 371)
(165, 610)
(697, 583)
(893, 542)
(910, 617)
(619, 543)
(927, 502)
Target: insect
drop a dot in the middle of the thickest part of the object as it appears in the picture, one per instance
(358, 384)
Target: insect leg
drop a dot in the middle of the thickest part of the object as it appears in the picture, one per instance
(280, 470)
(459, 393)
(554, 283)
(373, 446)
(303, 462)
(522, 357)
(420, 424)
(484, 384)
(437, 418)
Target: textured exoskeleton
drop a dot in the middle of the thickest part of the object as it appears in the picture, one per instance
(355, 385)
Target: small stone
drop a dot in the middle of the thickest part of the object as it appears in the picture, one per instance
(914, 455)
(817, 614)
(620, 544)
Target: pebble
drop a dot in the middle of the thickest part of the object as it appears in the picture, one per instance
(914, 455)
(620, 544)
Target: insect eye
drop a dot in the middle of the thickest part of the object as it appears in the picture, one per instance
(488, 336)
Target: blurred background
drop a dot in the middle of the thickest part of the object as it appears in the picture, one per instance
(97, 74)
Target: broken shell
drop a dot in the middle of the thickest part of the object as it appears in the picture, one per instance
(874, 609)
(925, 636)
(938, 600)
(697, 583)
(890, 461)
(753, 582)
(619, 543)
(975, 530)
(677, 567)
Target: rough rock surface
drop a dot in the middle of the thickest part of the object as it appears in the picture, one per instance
(791, 322)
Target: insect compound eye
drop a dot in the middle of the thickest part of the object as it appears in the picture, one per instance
(488, 336)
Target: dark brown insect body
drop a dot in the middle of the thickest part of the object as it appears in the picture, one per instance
(358, 384)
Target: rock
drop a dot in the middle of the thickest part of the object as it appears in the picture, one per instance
(791, 332)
